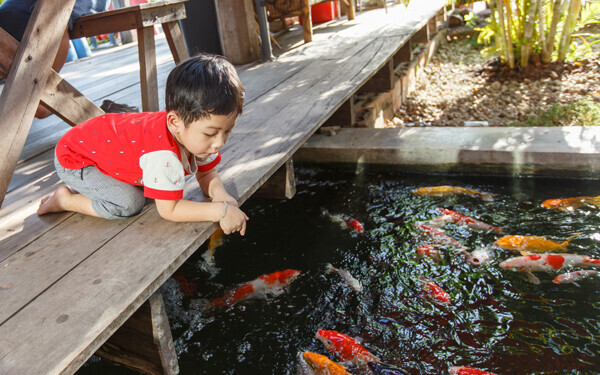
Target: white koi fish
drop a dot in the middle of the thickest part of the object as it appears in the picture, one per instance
(347, 276)
(480, 256)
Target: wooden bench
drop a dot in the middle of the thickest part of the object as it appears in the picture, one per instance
(142, 18)
(279, 9)
(70, 282)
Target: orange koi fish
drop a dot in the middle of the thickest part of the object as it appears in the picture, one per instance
(434, 293)
(318, 364)
(449, 216)
(347, 349)
(215, 241)
(345, 221)
(573, 277)
(532, 243)
(430, 251)
(464, 370)
(443, 191)
(272, 284)
(570, 204)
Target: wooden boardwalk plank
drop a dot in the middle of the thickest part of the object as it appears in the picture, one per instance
(57, 319)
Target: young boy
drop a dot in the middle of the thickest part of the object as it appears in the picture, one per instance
(106, 161)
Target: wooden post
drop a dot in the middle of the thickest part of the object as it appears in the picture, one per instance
(432, 26)
(306, 21)
(348, 8)
(281, 185)
(345, 116)
(27, 79)
(176, 41)
(382, 81)
(144, 341)
(148, 73)
(237, 31)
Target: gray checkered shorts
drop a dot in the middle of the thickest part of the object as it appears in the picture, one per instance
(111, 198)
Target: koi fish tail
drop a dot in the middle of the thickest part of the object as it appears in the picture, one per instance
(498, 230)
(570, 238)
(595, 201)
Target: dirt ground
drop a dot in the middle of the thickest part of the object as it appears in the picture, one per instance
(459, 85)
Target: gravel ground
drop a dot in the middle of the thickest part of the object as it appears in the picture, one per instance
(459, 85)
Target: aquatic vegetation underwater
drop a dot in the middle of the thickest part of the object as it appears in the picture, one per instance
(494, 319)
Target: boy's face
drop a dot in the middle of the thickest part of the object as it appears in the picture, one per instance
(204, 136)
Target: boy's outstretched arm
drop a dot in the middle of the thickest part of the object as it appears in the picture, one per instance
(210, 182)
(229, 216)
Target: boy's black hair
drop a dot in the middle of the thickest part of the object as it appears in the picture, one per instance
(203, 85)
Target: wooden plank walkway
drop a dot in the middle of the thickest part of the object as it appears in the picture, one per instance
(69, 281)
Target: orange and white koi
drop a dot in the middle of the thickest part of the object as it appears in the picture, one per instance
(347, 276)
(318, 364)
(345, 347)
(345, 221)
(215, 241)
(449, 216)
(570, 204)
(532, 243)
(445, 190)
(438, 236)
(465, 370)
(573, 277)
(434, 293)
(430, 251)
(272, 284)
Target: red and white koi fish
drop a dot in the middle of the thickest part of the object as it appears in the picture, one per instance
(187, 287)
(346, 348)
(438, 236)
(532, 243)
(430, 251)
(570, 204)
(318, 364)
(573, 277)
(272, 284)
(348, 278)
(449, 216)
(464, 370)
(548, 262)
(345, 221)
(434, 293)
(443, 191)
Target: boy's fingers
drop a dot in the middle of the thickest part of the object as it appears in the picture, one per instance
(243, 230)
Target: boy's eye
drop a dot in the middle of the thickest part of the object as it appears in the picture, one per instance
(209, 135)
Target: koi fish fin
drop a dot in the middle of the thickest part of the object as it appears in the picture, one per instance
(575, 283)
(525, 253)
(533, 278)
(572, 237)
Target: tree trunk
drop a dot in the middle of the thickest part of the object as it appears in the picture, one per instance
(527, 31)
(556, 14)
(565, 40)
(541, 24)
(508, 27)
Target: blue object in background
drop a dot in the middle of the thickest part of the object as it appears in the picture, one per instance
(82, 48)
(72, 55)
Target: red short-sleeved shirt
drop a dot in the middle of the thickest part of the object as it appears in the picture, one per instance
(136, 148)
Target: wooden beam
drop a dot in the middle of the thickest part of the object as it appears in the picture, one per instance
(344, 116)
(281, 185)
(421, 36)
(432, 26)
(59, 96)
(27, 79)
(404, 54)
(382, 81)
(144, 341)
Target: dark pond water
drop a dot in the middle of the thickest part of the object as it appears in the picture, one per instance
(498, 320)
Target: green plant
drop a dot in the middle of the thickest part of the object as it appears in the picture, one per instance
(584, 112)
(520, 28)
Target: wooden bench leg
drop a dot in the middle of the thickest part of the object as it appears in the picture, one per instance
(176, 42)
(281, 185)
(421, 36)
(404, 54)
(306, 22)
(148, 74)
(382, 81)
(144, 341)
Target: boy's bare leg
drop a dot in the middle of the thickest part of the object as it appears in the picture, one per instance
(64, 199)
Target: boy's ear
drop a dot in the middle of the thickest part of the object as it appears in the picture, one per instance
(174, 122)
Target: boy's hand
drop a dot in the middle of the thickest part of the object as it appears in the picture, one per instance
(234, 220)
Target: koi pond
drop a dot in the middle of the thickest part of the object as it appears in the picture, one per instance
(497, 320)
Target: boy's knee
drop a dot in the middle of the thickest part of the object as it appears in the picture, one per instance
(110, 210)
